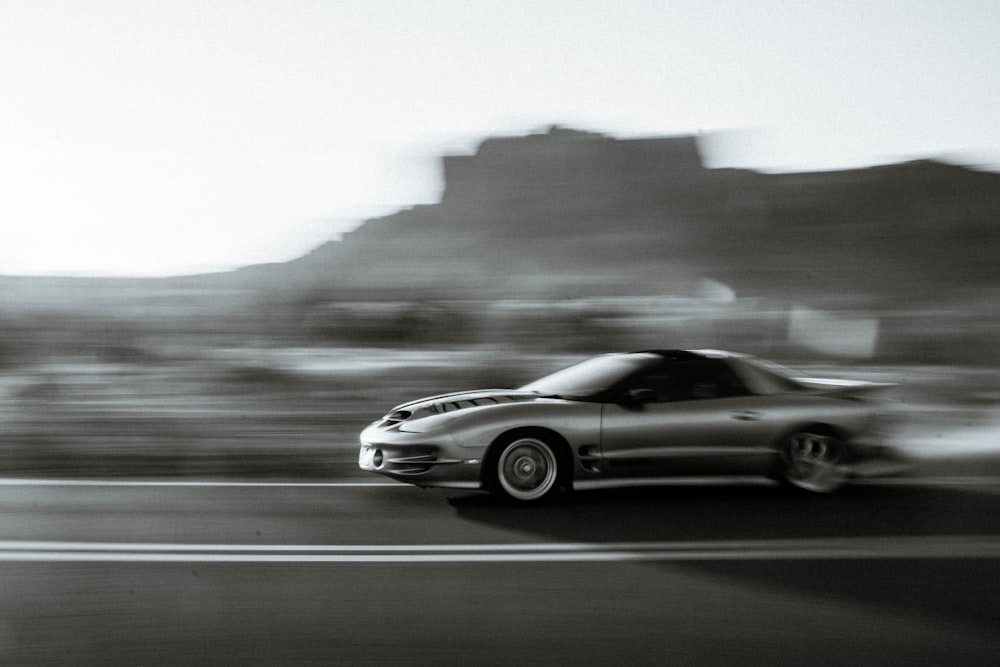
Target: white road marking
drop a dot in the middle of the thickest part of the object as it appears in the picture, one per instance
(14, 481)
(987, 480)
(944, 480)
(908, 547)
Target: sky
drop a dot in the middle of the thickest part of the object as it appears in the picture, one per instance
(165, 137)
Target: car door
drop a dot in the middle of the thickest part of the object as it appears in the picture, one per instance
(686, 408)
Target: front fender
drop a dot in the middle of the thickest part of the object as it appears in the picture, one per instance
(577, 422)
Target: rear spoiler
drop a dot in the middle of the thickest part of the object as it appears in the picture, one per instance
(845, 388)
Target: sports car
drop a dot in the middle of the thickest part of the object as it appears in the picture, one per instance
(639, 416)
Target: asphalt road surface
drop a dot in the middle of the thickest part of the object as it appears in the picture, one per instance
(370, 572)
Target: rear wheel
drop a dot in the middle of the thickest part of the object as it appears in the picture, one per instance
(812, 461)
(527, 469)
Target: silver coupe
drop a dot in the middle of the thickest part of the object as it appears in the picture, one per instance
(638, 416)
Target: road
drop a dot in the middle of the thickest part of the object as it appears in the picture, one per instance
(361, 571)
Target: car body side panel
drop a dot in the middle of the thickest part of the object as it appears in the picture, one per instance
(576, 422)
(726, 434)
(683, 428)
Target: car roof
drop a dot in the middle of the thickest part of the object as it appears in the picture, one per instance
(688, 355)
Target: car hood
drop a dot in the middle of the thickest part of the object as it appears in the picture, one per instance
(447, 403)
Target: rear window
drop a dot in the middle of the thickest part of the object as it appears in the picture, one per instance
(764, 377)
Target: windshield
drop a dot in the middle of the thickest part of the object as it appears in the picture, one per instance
(589, 377)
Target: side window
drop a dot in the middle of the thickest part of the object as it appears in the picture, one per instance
(711, 378)
(663, 382)
(689, 380)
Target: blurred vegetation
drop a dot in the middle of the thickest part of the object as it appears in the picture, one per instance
(255, 395)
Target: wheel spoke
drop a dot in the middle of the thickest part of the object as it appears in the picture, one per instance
(526, 469)
(812, 462)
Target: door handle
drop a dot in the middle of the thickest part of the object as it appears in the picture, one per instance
(747, 415)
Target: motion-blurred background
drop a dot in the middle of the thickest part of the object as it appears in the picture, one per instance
(232, 233)
(543, 248)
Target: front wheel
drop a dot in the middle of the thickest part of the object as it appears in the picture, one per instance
(812, 461)
(527, 469)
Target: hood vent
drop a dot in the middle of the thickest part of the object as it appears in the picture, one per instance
(396, 417)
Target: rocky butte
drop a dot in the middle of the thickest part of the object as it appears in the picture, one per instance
(569, 215)
(566, 214)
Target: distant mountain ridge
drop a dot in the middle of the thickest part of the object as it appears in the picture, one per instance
(567, 213)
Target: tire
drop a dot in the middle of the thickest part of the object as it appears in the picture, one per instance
(526, 469)
(812, 461)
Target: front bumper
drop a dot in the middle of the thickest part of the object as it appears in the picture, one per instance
(408, 457)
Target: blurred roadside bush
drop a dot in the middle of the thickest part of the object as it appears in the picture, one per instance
(284, 389)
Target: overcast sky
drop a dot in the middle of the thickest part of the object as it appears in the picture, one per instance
(166, 136)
